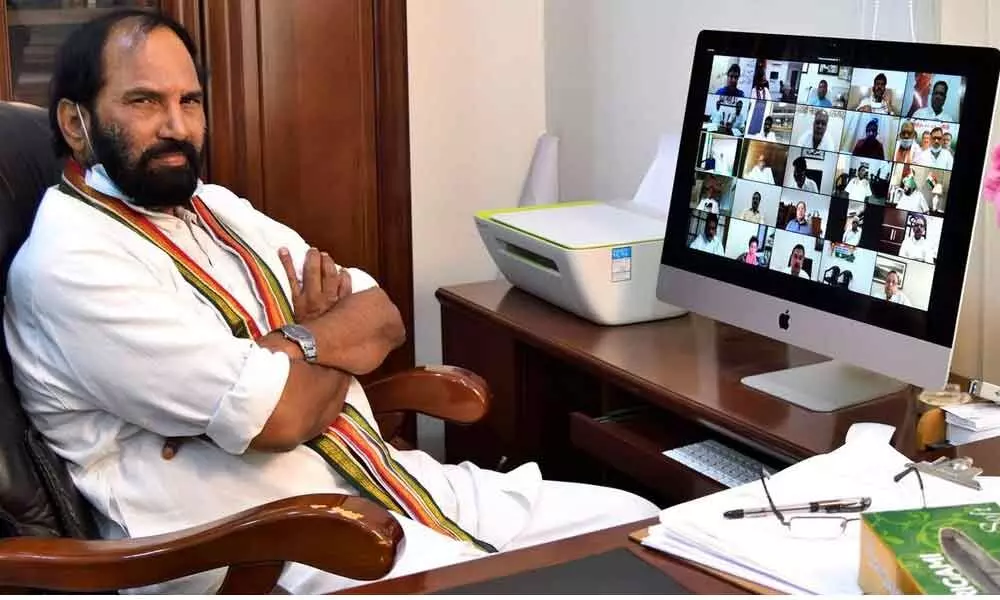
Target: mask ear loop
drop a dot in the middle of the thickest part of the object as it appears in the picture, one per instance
(86, 134)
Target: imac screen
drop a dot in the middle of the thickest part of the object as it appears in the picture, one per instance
(836, 174)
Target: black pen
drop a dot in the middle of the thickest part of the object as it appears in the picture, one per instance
(843, 505)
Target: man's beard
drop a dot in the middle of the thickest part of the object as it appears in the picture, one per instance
(162, 187)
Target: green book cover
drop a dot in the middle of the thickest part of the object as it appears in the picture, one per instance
(948, 550)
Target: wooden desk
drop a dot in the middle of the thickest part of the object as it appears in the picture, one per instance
(687, 575)
(554, 376)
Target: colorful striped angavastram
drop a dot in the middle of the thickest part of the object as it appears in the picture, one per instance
(350, 445)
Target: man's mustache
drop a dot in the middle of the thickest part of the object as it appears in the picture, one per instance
(168, 147)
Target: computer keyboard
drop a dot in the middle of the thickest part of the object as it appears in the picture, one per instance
(717, 461)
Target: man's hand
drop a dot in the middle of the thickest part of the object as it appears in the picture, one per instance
(171, 446)
(322, 284)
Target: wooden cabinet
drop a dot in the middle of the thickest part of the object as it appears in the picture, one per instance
(307, 111)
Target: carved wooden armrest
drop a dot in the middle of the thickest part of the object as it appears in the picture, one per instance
(450, 393)
(344, 535)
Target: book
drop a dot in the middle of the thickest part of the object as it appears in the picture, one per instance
(951, 550)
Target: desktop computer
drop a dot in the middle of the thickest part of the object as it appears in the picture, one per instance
(825, 195)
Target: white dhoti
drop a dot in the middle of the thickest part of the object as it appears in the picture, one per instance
(508, 510)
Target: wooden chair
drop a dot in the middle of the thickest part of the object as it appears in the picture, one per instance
(49, 539)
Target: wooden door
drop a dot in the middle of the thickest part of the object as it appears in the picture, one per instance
(308, 120)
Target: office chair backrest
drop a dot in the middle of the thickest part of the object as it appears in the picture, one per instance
(37, 497)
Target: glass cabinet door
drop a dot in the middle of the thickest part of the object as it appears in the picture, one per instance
(35, 29)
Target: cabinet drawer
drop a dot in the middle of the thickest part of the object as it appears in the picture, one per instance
(635, 446)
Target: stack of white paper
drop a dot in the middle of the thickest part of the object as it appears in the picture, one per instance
(761, 550)
(972, 422)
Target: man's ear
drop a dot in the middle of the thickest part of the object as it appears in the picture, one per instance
(73, 129)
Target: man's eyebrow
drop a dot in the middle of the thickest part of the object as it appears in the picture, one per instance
(141, 92)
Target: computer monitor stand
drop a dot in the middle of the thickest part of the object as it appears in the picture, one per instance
(825, 386)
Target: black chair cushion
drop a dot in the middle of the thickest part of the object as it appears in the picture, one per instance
(37, 496)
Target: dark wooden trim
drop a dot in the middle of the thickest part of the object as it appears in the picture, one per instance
(187, 13)
(6, 85)
(230, 47)
(393, 147)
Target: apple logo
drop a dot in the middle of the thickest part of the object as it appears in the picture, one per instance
(783, 320)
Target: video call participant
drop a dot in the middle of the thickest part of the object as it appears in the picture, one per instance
(917, 246)
(800, 224)
(766, 133)
(760, 172)
(937, 156)
(870, 147)
(910, 198)
(751, 256)
(753, 214)
(859, 188)
(821, 100)
(853, 234)
(891, 290)
(710, 195)
(738, 122)
(906, 149)
(879, 99)
(795, 263)
(936, 110)
(799, 176)
(816, 139)
(921, 91)
(732, 80)
(709, 241)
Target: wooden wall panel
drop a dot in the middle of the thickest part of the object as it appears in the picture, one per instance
(317, 116)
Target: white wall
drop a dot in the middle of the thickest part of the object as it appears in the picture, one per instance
(477, 105)
(618, 70)
(977, 350)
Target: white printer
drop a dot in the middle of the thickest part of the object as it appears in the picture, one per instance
(599, 260)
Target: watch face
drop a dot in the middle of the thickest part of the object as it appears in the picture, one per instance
(298, 331)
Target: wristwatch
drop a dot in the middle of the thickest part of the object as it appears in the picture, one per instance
(303, 337)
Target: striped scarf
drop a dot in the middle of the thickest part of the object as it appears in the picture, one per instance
(350, 444)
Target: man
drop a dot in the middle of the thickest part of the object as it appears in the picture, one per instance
(891, 290)
(870, 147)
(799, 224)
(936, 109)
(816, 139)
(947, 141)
(732, 80)
(879, 100)
(709, 241)
(738, 122)
(146, 306)
(766, 133)
(937, 156)
(925, 140)
(859, 188)
(795, 263)
(921, 89)
(911, 198)
(916, 245)
(711, 192)
(853, 235)
(799, 179)
(906, 150)
(753, 214)
(760, 172)
(821, 100)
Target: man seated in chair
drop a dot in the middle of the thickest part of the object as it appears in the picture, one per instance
(147, 306)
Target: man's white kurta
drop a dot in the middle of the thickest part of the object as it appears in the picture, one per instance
(113, 351)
